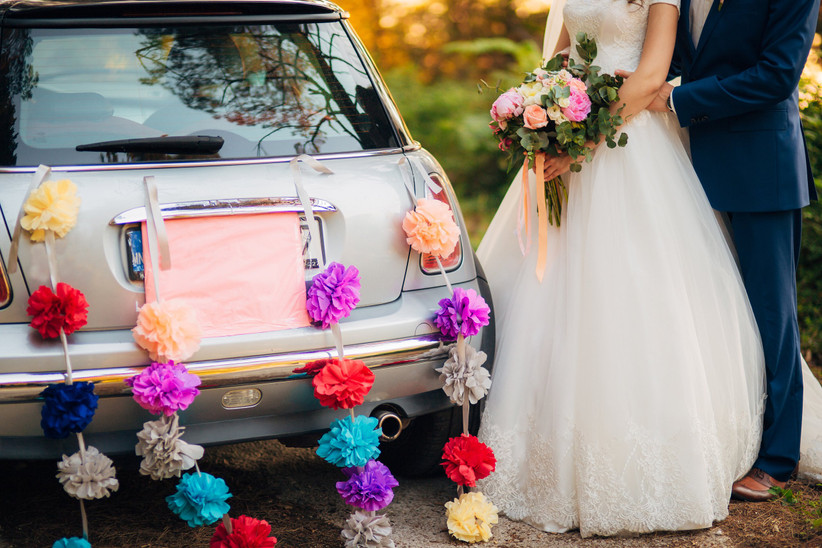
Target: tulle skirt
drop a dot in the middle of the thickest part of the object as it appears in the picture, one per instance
(628, 385)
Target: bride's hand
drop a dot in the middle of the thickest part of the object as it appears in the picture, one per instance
(556, 166)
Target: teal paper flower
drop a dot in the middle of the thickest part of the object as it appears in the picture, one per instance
(351, 443)
(200, 499)
(73, 542)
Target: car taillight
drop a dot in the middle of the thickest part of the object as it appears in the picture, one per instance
(5, 286)
(428, 262)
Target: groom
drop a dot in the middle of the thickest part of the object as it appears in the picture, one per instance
(740, 62)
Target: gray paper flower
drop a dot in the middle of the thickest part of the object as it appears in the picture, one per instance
(468, 377)
(164, 454)
(367, 530)
(89, 477)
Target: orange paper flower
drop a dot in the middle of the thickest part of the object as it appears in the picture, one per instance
(51, 206)
(342, 385)
(168, 330)
(431, 228)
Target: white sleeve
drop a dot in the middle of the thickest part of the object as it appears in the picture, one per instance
(671, 2)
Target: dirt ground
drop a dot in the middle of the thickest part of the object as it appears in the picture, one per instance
(294, 491)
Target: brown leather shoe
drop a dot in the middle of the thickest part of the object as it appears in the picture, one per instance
(755, 486)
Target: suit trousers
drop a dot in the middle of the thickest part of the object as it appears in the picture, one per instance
(767, 244)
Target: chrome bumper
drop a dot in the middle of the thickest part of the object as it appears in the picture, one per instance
(22, 387)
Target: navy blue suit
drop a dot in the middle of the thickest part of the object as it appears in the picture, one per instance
(739, 100)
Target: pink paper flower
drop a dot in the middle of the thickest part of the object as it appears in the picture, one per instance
(579, 107)
(430, 228)
(163, 388)
(507, 106)
(246, 532)
(169, 330)
(466, 460)
(535, 117)
(333, 294)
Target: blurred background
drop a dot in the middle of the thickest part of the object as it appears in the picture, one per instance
(436, 56)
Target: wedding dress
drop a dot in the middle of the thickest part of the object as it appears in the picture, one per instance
(629, 384)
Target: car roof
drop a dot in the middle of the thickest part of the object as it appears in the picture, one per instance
(58, 8)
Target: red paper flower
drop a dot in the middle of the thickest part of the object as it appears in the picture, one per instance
(246, 533)
(67, 308)
(342, 385)
(466, 460)
(312, 368)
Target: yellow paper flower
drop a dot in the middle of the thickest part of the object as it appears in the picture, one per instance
(169, 330)
(470, 517)
(51, 206)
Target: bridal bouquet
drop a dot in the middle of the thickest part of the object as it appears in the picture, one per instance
(558, 110)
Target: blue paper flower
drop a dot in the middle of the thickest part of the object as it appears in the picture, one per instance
(72, 542)
(351, 443)
(200, 499)
(68, 408)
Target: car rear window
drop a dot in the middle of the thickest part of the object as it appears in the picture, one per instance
(266, 90)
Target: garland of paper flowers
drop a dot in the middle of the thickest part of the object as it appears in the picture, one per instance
(169, 331)
(352, 443)
(50, 211)
(430, 228)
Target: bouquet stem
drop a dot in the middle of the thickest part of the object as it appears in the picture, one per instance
(555, 196)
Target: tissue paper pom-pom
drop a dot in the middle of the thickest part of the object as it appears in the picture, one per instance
(67, 408)
(363, 530)
(465, 377)
(87, 477)
(51, 206)
(246, 532)
(369, 488)
(464, 313)
(351, 443)
(342, 385)
(169, 330)
(200, 499)
(430, 228)
(466, 460)
(67, 308)
(470, 517)
(164, 454)
(72, 542)
(164, 388)
(333, 294)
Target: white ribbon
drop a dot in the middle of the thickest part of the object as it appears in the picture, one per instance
(415, 162)
(36, 180)
(158, 249)
(313, 227)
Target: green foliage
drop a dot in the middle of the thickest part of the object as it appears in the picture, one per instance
(809, 276)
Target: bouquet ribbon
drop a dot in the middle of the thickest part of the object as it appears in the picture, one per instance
(542, 215)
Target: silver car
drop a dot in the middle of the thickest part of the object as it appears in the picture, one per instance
(213, 100)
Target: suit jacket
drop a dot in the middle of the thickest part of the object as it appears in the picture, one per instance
(739, 100)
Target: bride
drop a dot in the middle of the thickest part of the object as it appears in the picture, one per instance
(629, 384)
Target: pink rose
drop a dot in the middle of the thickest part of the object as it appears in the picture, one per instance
(576, 83)
(579, 106)
(507, 105)
(535, 116)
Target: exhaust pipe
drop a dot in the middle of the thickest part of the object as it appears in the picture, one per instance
(391, 423)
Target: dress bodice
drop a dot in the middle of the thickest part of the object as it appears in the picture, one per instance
(617, 25)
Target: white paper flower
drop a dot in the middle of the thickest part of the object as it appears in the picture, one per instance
(89, 477)
(464, 378)
(362, 530)
(164, 454)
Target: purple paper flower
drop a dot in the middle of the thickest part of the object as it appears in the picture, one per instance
(333, 294)
(369, 488)
(464, 313)
(164, 388)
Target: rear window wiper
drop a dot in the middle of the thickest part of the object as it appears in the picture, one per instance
(197, 144)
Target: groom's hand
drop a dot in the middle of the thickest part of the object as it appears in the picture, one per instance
(660, 102)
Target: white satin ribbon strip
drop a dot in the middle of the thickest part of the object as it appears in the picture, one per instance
(409, 183)
(305, 201)
(36, 180)
(156, 215)
(335, 331)
(52, 259)
(429, 182)
(152, 233)
(426, 178)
